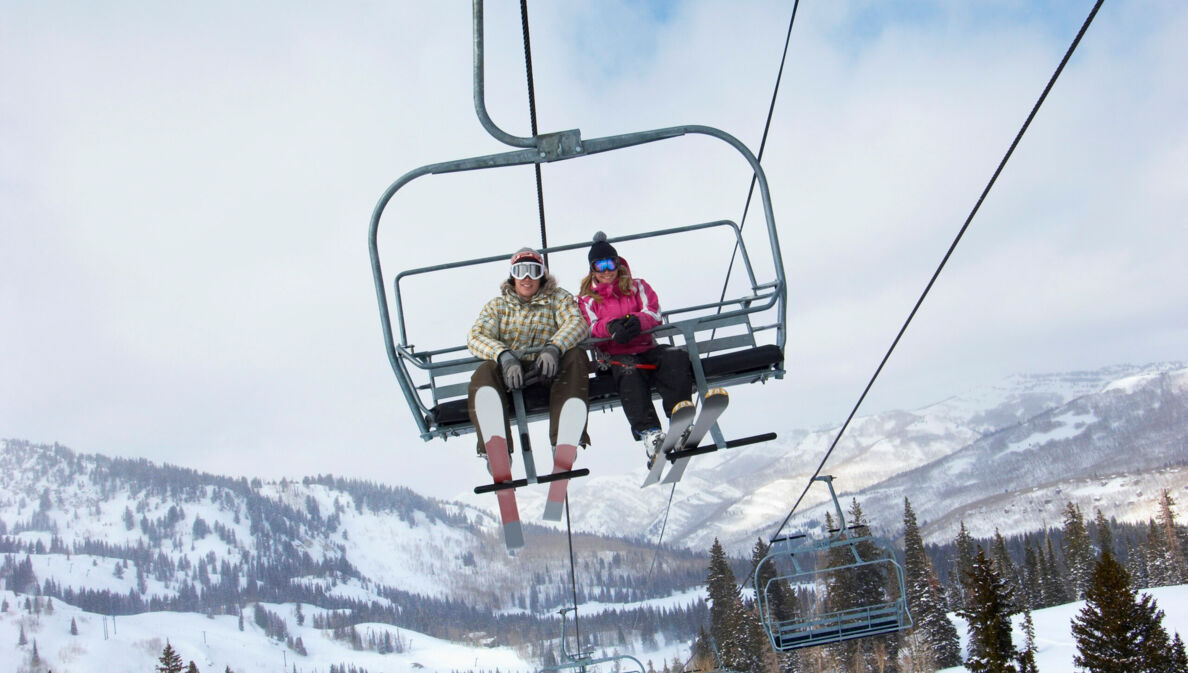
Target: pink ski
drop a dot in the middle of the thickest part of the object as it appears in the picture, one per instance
(569, 433)
(488, 409)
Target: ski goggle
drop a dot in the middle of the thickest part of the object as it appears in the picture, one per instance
(605, 265)
(522, 270)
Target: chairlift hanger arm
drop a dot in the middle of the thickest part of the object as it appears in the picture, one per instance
(566, 144)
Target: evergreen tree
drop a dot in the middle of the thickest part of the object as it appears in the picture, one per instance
(170, 661)
(1105, 539)
(1054, 593)
(925, 597)
(991, 649)
(1136, 565)
(1161, 570)
(1175, 541)
(781, 604)
(1033, 579)
(1007, 571)
(964, 563)
(22, 639)
(860, 587)
(723, 596)
(192, 668)
(1078, 552)
(1027, 654)
(703, 658)
(1118, 631)
(35, 658)
(736, 630)
(1179, 658)
(778, 595)
(73, 627)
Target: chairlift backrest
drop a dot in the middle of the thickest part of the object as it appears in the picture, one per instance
(721, 337)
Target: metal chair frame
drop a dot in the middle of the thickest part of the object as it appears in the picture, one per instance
(875, 618)
(561, 146)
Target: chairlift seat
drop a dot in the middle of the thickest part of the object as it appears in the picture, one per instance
(754, 364)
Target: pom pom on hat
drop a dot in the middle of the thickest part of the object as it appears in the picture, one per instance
(601, 249)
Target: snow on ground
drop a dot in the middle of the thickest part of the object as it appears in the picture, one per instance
(1054, 641)
(134, 643)
(1065, 426)
(677, 600)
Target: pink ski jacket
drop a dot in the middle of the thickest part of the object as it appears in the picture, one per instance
(642, 303)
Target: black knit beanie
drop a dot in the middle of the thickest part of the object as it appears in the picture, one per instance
(601, 249)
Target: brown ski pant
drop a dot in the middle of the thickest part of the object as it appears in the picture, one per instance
(572, 380)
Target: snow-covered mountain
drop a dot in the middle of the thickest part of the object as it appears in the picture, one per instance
(114, 536)
(336, 538)
(1009, 455)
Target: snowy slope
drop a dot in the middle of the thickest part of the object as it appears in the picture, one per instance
(134, 643)
(1054, 641)
(950, 455)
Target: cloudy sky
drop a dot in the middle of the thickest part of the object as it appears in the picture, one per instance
(185, 192)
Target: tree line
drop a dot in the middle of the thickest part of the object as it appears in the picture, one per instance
(1119, 629)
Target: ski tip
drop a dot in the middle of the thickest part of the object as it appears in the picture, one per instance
(716, 391)
(574, 403)
(685, 404)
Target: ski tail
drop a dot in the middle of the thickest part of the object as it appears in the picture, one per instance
(679, 425)
(488, 409)
(569, 433)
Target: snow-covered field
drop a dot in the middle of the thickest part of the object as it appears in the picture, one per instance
(1053, 635)
(134, 643)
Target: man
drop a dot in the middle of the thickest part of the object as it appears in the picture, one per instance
(530, 312)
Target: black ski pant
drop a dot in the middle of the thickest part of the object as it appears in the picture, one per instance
(572, 380)
(664, 367)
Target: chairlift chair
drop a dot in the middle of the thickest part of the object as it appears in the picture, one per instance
(580, 661)
(434, 380)
(876, 617)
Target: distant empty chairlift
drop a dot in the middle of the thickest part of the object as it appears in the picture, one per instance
(580, 661)
(798, 560)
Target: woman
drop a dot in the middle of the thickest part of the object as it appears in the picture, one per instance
(623, 308)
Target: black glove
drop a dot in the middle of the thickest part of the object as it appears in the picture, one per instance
(513, 372)
(547, 363)
(624, 329)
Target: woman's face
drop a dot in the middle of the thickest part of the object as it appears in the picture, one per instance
(606, 276)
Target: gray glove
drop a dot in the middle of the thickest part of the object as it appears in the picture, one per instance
(547, 363)
(513, 372)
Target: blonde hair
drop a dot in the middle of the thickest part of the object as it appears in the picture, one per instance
(625, 286)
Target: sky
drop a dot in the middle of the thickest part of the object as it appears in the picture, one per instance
(185, 192)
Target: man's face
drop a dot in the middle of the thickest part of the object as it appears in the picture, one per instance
(527, 287)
